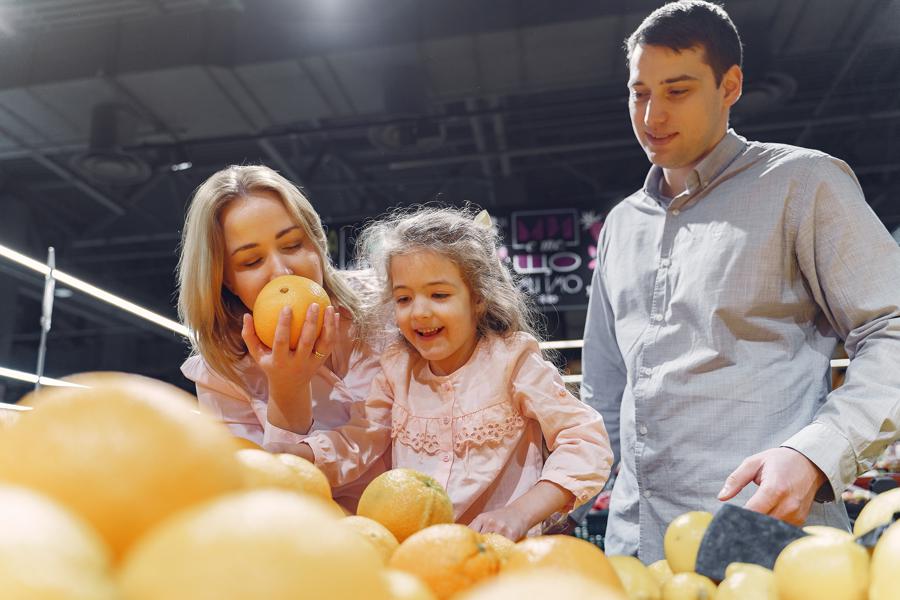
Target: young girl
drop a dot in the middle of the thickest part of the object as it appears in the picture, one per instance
(245, 226)
(466, 395)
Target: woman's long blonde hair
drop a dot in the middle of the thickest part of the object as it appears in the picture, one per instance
(205, 306)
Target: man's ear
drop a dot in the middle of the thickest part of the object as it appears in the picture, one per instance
(732, 85)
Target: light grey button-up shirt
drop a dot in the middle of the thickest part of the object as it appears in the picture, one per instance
(712, 320)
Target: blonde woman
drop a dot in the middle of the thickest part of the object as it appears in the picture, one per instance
(245, 226)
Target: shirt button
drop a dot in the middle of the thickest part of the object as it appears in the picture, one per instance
(676, 212)
(665, 262)
(448, 386)
(657, 317)
(643, 429)
(646, 371)
(647, 493)
(446, 420)
(446, 458)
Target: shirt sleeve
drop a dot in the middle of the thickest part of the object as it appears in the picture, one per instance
(604, 376)
(580, 455)
(852, 267)
(346, 453)
(223, 400)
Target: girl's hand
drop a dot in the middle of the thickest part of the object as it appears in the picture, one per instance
(506, 521)
(294, 367)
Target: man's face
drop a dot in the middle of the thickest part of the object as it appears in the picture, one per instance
(677, 111)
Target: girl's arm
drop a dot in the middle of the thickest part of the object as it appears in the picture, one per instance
(580, 458)
(345, 453)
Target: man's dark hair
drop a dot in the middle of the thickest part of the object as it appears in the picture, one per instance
(692, 24)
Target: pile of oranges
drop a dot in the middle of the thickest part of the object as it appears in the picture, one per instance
(123, 490)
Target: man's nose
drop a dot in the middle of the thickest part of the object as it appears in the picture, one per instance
(654, 113)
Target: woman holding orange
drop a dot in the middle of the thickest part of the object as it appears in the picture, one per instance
(245, 226)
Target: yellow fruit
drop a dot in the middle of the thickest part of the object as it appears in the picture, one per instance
(564, 552)
(828, 531)
(405, 501)
(373, 532)
(8, 416)
(123, 455)
(262, 469)
(745, 581)
(47, 552)
(885, 570)
(406, 586)
(288, 290)
(254, 544)
(242, 443)
(542, 583)
(448, 558)
(639, 584)
(821, 567)
(661, 571)
(877, 511)
(682, 540)
(502, 545)
(689, 586)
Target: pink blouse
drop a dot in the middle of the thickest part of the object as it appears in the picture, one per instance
(334, 391)
(478, 431)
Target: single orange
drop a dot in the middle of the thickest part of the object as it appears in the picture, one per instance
(373, 532)
(288, 290)
(405, 501)
(566, 553)
(448, 558)
(123, 454)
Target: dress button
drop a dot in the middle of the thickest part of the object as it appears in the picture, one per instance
(446, 458)
(448, 386)
(647, 493)
(646, 371)
(445, 420)
(665, 262)
(657, 317)
(643, 429)
(676, 212)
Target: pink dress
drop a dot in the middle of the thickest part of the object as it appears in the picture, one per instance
(334, 391)
(479, 431)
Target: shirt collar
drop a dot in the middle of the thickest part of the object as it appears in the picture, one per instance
(712, 165)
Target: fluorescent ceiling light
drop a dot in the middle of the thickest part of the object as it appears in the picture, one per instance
(87, 288)
(32, 378)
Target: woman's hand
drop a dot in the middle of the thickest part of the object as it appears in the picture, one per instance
(289, 372)
(506, 521)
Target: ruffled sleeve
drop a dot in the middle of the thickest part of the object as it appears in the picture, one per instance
(580, 454)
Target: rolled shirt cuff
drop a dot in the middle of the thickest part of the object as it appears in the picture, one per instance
(830, 451)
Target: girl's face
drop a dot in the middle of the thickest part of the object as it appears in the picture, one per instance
(435, 310)
(263, 242)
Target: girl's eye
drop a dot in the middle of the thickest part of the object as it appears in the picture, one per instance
(638, 95)
(252, 262)
(440, 295)
(401, 299)
(677, 92)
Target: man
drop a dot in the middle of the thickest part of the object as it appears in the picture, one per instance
(721, 291)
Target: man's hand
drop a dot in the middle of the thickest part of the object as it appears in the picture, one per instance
(787, 480)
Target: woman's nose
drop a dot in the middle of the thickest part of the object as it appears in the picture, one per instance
(280, 267)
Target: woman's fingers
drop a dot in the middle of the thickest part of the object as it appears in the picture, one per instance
(325, 344)
(281, 343)
(248, 334)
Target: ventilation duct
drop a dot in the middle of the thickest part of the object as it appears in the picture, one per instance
(406, 100)
(113, 127)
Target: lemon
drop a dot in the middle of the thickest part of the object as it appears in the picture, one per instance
(682, 540)
(877, 511)
(745, 581)
(689, 586)
(821, 567)
(885, 572)
(639, 584)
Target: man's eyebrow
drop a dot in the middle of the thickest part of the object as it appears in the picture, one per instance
(677, 79)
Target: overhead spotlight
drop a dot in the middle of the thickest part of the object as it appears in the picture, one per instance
(113, 126)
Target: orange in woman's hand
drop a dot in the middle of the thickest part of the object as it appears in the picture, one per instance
(288, 290)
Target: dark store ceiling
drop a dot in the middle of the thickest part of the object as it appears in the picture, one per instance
(367, 104)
